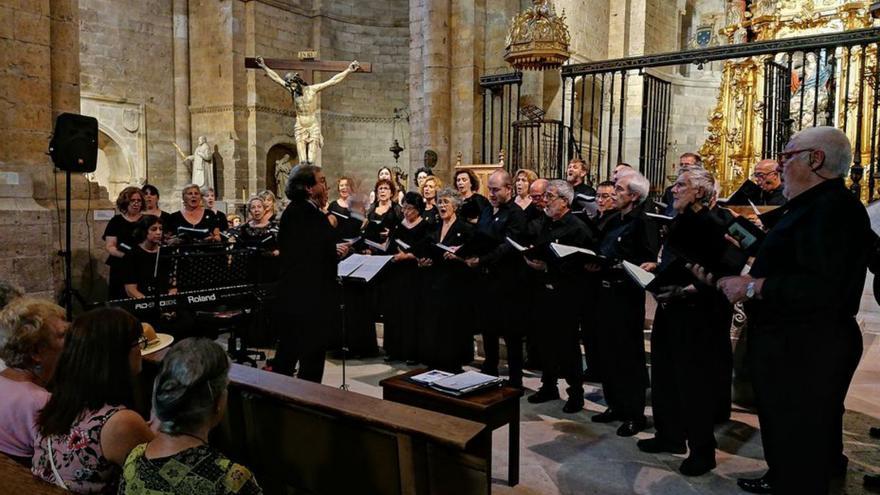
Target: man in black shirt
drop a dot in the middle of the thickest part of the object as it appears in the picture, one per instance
(685, 160)
(306, 306)
(503, 270)
(576, 174)
(801, 296)
(767, 176)
(559, 290)
(635, 238)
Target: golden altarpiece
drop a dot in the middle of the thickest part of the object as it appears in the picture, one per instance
(736, 128)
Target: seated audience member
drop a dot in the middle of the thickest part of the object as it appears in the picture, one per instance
(210, 197)
(194, 221)
(119, 236)
(31, 338)
(429, 189)
(151, 203)
(8, 292)
(142, 276)
(472, 203)
(189, 401)
(87, 429)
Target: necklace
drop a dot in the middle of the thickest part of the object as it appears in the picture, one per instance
(204, 441)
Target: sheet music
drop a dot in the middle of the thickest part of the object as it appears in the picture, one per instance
(448, 249)
(381, 247)
(519, 247)
(347, 266)
(754, 208)
(659, 216)
(403, 245)
(562, 250)
(586, 198)
(367, 267)
(640, 276)
(340, 215)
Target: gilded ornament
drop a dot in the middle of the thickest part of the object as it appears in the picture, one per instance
(538, 39)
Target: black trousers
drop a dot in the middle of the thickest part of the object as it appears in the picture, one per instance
(801, 374)
(684, 384)
(621, 347)
(589, 331)
(504, 322)
(560, 342)
(722, 318)
(302, 342)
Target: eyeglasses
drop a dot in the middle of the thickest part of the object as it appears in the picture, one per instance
(550, 197)
(762, 175)
(142, 342)
(785, 156)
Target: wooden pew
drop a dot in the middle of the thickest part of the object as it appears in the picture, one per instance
(303, 437)
(17, 479)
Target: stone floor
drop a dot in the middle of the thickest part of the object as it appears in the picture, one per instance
(567, 454)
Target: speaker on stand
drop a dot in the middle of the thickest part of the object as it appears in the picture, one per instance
(73, 148)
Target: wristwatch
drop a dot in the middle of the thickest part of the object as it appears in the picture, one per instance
(750, 290)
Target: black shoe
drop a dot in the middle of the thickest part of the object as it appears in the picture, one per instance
(871, 481)
(874, 432)
(630, 428)
(605, 417)
(543, 395)
(697, 466)
(656, 445)
(755, 485)
(574, 404)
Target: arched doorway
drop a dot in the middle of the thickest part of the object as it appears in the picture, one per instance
(275, 154)
(113, 170)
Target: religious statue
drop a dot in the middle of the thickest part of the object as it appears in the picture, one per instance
(307, 130)
(282, 171)
(202, 164)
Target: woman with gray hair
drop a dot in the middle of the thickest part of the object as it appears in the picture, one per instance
(189, 399)
(447, 337)
(31, 338)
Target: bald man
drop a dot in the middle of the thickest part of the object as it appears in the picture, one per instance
(502, 269)
(767, 176)
(801, 297)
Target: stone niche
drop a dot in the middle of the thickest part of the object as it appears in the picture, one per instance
(122, 142)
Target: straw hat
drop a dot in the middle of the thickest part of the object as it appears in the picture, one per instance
(155, 341)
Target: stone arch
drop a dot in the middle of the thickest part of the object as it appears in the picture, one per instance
(114, 170)
(275, 153)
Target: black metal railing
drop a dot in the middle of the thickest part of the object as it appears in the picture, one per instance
(806, 80)
(501, 92)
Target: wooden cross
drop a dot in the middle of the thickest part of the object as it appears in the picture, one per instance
(305, 66)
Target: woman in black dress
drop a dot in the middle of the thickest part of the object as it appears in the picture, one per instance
(472, 202)
(403, 282)
(384, 214)
(429, 189)
(151, 203)
(211, 204)
(119, 237)
(194, 221)
(347, 227)
(446, 340)
(259, 232)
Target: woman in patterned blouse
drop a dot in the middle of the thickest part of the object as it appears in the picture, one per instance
(189, 400)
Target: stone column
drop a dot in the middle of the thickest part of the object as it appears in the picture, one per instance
(416, 88)
(180, 53)
(436, 80)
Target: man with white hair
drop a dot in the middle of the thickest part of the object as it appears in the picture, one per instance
(634, 237)
(558, 292)
(801, 297)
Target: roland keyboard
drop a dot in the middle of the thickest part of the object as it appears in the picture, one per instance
(234, 295)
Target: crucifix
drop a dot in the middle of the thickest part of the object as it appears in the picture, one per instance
(307, 130)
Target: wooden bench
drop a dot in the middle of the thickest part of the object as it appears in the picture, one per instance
(17, 479)
(304, 437)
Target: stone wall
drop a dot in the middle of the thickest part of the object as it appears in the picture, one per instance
(126, 61)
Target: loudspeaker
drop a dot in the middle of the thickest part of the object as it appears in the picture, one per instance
(74, 145)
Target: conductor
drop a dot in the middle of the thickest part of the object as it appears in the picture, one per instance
(306, 306)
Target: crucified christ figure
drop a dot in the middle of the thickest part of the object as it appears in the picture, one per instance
(307, 130)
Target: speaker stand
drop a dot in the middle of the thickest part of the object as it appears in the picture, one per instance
(69, 292)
